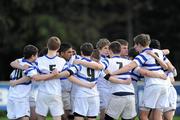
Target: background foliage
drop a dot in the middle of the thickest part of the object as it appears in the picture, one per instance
(25, 22)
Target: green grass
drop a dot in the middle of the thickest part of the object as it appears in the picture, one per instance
(3, 116)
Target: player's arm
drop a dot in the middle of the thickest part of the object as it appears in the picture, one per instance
(96, 66)
(120, 81)
(162, 63)
(81, 83)
(172, 80)
(54, 75)
(40, 77)
(165, 51)
(153, 74)
(171, 68)
(113, 79)
(19, 81)
(16, 64)
(125, 68)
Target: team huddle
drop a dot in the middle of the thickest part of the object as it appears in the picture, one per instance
(99, 82)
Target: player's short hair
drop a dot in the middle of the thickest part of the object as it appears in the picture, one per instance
(30, 50)
(64, 47)
(142, 39)
(115, 47)
(155, 44)
(122, 42)
(102, 43)
(86, 49)
(43, 52)
(95, 55)
(53, 43)
(132, 52)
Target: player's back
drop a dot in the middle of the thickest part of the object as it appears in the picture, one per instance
(115, 63)
(46, 65)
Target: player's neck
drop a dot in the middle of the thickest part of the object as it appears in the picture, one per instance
(143, 48)
(51, 53)
(115, 55)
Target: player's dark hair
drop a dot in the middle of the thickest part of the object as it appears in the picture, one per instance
(64, 47)
(30, 50)
(86, 49)
(96, 54)
(43, 52)
(155, 44)
(115, 47)
(132, 53)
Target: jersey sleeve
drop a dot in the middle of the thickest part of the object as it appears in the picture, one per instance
(105, 63)
(31, 71)
(75, 68)
(140, 59)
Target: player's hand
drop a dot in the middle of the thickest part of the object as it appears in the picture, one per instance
(163, 76)
(12, 83)
(76, 61)
(128, 81)
(150, 53)
(24, 67)
(91, 85)
(55, 72)
(166, 51)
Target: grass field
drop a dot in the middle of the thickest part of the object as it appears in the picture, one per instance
(3, 117)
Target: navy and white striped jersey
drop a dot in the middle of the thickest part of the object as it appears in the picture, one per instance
(21, 90)
(65, 83)
(148, 62)
(86, 75)
(102, 83)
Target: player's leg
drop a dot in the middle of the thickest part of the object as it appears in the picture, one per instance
(104, 94)
(144, 114)
(32, 101)
(107, 117)
(151, 114)
(24, 118)
(67, 106)
(56, 117)
(33, 115)
(91, 117)
(102, 113)
(157, 114)
(168, 115)
(78, 116)
(40, 117)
